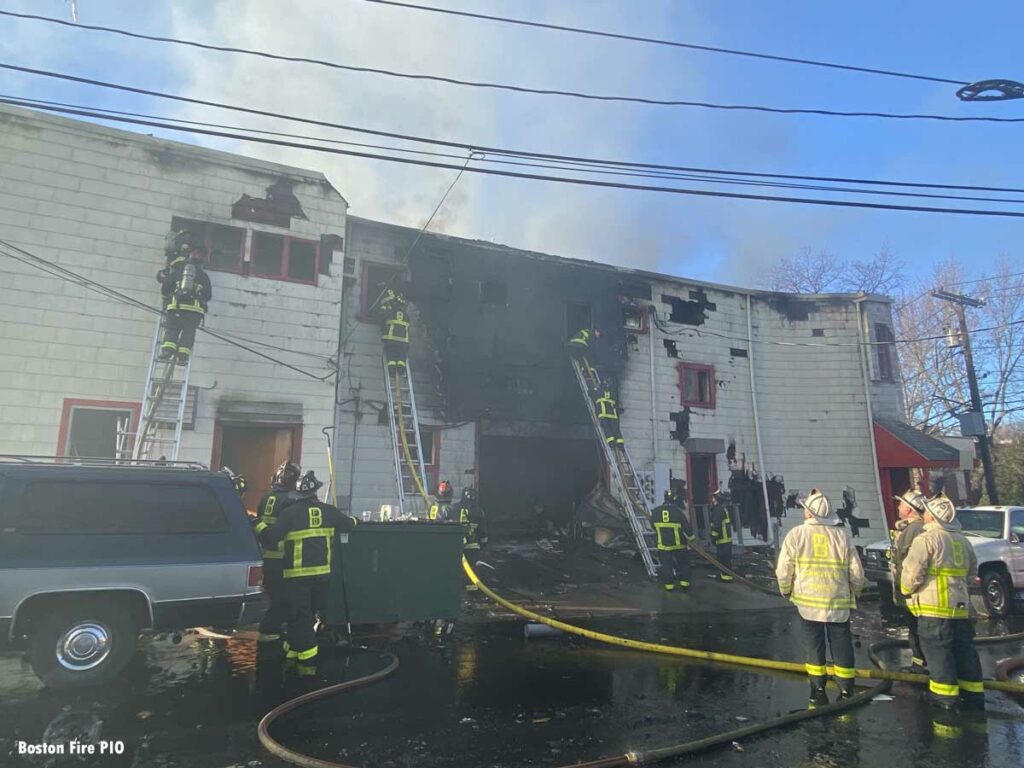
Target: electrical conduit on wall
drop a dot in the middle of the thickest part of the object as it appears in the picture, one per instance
(864, 350)
(757, 419)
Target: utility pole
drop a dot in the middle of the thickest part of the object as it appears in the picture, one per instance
(959, 302)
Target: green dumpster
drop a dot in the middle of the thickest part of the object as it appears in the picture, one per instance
(396, 572)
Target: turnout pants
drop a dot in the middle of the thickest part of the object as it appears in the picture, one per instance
(675, 567)
(612, 432)
(304, 596)
(396, 353)
(840, 642)
(723, 554)
(277, 611)
(180, 332)
(953, 666)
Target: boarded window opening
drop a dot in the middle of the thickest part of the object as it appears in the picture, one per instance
(670, 347)
(737, 352)
(817, 332)
(494, 293)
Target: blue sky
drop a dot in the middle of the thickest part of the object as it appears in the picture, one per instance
(718, 240)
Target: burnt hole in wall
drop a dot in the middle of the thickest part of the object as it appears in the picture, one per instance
(737, 352)
(684, 312)
(794, 310)
(817, 332)
(702, 298)
(670, 347)
(681, 425)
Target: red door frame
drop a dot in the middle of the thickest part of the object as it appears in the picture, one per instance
(712, 479)
(110, 405)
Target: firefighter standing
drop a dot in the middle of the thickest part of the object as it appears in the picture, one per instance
(673, 530)
(934, 580)
(282, 493)
(394, 317)
(608, 417)
(186, 291)
(474, 526)
(908, 527)
(820, 571)
(720, 523)
(441, 507)
(309, 530)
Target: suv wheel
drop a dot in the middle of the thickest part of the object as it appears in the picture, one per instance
(997, 593)
(83, 645)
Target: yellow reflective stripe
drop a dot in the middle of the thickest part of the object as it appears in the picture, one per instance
(673, 529)
(818, 670)
(261, 527)
(303, 655)
(844, 673)
(318, 570)
(971, 686)
(824, 602)
(812, 562)
(273, 554)
(309, 533)
(941, 689)
(943, 587)
(956, 572)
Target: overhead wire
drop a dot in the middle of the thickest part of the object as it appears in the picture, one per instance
(552, 165)
(63, 273)
(544, 177)
(490, 150)
(618, 98)
(669, 43)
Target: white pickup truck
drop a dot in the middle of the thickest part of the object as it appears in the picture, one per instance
(997, 535)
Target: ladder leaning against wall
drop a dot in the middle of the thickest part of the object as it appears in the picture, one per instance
(410, 472)
(625, 481)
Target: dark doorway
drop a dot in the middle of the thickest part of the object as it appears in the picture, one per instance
(518, 473)
(255, 452)
(702, 477)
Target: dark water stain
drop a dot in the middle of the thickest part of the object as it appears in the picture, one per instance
(489, 697)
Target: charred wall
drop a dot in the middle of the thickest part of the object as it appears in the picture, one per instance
(500, 320)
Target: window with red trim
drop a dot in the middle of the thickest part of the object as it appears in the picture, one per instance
(224, 246)
(697, 385)
(283, 257)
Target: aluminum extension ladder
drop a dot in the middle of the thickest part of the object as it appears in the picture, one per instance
(163, 408)
(624, 478)
(405, 422)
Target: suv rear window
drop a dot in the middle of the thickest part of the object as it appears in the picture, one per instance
(81, 508)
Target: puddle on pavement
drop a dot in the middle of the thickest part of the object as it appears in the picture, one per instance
(489, 697)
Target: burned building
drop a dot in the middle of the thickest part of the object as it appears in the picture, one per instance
(718, 386)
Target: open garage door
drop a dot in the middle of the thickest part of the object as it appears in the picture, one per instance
(520, 474)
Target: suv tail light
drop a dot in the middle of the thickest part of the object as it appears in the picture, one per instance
(255, 575)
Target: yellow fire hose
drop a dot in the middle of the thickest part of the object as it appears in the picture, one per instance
(630, 758)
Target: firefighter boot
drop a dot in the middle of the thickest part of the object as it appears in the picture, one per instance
(818, 697)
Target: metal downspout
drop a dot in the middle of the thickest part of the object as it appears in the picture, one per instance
(654, 395)
(864, 350)
(757, 420)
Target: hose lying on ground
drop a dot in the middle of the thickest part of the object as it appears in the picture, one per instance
(647, 756)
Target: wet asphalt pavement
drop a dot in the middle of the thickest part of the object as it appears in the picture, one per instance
(488, 697)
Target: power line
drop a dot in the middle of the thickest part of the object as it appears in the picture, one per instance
(544, 177)
(44, 103)
(671, 43)
(484, 148)
(649, 101)
(63, 273)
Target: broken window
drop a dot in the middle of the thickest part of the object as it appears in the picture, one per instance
(883, 348)
(375, 279)
(494, 293)
(577, 316)
(670, 347)
(737, 352)
(634, 318)
(223, 246)
(685, 312)
(817, 332)
(697, 385)
(284, 258)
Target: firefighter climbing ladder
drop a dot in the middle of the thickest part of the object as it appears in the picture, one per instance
(624, 477)
(405, 436)
(163, 407)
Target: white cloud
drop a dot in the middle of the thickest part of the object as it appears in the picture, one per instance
(572, 221)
